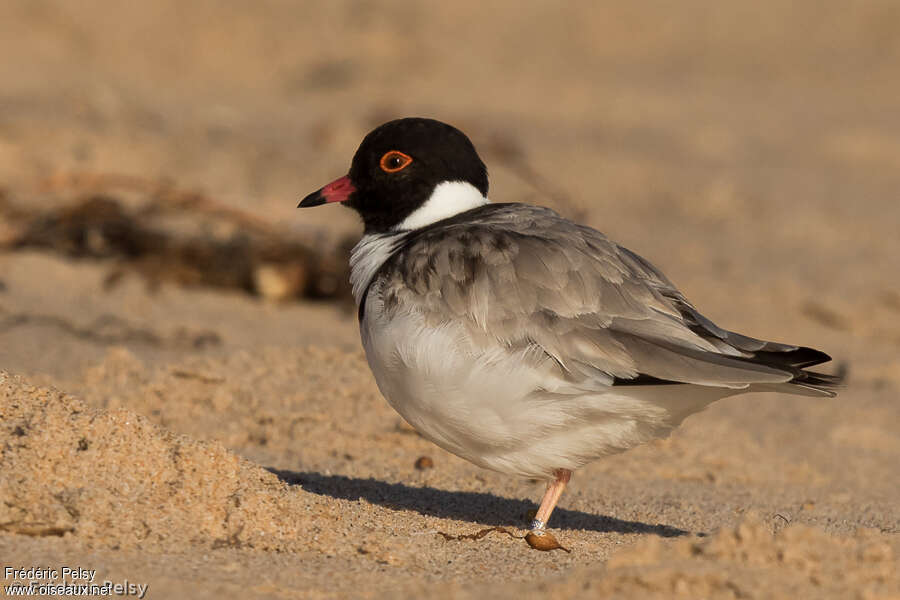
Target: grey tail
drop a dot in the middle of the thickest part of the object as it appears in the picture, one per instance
(786, 357)
(821, 382)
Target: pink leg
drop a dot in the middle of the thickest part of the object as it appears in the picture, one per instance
(551, 497)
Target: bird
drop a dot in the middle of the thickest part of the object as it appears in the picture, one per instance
(517, 339)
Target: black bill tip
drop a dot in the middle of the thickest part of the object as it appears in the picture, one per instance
(314, 199)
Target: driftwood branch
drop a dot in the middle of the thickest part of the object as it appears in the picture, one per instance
(226, 247)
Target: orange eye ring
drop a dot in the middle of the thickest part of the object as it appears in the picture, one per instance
(394, 161)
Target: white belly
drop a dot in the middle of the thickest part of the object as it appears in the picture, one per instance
(505, 410)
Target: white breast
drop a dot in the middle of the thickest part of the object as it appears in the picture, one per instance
(493, 406)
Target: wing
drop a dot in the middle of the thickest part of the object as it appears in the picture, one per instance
(524, 276)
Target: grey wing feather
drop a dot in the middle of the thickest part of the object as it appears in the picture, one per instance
(522, 275)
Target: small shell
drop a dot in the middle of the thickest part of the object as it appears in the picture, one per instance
(543, 541)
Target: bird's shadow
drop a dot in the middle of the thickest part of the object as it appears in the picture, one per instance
(476, 507)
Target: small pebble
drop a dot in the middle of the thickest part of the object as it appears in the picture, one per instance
(424, 462)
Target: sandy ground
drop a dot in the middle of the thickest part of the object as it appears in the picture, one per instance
(751, 151)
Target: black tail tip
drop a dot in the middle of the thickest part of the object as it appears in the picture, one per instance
(804, 357)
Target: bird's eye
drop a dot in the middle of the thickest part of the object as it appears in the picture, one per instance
(394, 161)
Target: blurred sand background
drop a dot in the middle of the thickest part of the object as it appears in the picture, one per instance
(216, 445)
